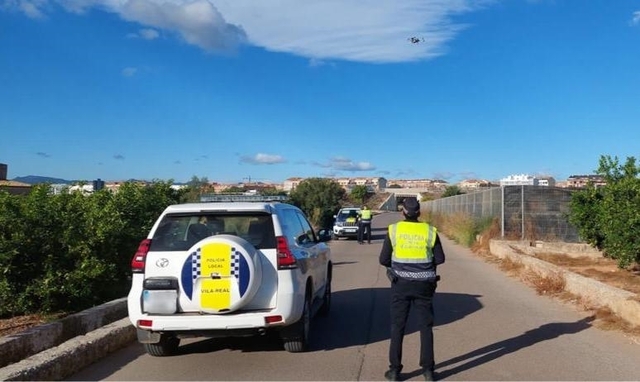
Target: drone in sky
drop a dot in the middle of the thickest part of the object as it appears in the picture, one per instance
(415, 40)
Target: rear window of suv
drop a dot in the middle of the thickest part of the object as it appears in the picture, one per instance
(179, 232)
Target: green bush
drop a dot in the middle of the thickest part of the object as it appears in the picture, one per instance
(319, 198)
(68, 252)
(608, 217)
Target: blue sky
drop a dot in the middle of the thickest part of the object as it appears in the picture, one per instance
(268, 90)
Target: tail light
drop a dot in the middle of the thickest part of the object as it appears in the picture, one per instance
(137, 263)
(286, 260)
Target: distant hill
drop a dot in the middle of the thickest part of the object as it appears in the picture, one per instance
(35, 179)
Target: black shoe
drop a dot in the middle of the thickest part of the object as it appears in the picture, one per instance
(428, 375)
(392, 375)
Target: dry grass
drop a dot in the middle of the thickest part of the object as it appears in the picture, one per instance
(602, 269)
(549, 285)
(553, 285)
(510, 266)
(493, 232)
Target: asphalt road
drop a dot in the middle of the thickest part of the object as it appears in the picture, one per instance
(488, 327)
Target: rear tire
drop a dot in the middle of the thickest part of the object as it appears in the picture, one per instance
(326, 300)
(296, 338)
(167, 346)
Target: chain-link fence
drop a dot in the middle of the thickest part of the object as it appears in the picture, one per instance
(525, 212)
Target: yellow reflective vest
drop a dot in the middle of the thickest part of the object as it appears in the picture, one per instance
(365, 214)
(413, 244)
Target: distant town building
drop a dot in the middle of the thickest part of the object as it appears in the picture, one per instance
(581, 181)
(428, 184)
(519, 180)
(98, 184)
(291, 184)
(474, 184)
(373, 184)
(84, 188)
(12, 187)
(548, 181)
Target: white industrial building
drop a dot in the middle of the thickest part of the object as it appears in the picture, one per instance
(519, 180)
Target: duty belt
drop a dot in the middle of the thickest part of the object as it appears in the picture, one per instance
(426, 275)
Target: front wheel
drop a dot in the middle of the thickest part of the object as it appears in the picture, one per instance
(167, 346)
(296, 337)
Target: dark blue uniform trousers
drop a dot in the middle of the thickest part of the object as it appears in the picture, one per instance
(417, 296)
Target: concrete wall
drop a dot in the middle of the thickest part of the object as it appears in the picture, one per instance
(621, 302)
(22, 345)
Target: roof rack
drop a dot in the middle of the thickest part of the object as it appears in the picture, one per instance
(241, 198)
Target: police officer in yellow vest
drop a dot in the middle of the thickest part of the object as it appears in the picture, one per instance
(411, 251)
(364, 225)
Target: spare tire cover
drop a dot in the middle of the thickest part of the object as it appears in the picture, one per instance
(226, 273)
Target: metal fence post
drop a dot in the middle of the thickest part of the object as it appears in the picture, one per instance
(502, 213)
(522, 212)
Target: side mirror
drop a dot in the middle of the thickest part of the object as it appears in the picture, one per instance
(324, 234)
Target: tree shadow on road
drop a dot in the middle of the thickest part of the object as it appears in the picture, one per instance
(496, 350)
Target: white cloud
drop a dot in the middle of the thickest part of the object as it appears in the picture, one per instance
(636, 18)
(262, 159)
(320, 30)
(345, 164)
(356, 30)
(146, 34)
(129, 72)
(197, 22)
(34, 9)
(149, 34)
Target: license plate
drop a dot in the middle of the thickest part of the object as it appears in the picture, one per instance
(350, 230)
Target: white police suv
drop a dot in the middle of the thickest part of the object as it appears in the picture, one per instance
(346, 222)
(229, 268)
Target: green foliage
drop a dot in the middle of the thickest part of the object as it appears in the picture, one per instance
(196, 187)
(427, 196)
(272, 191)
(585, 215)
(452, 191)
(67, 252)
(359, 193)
(319, 198)
(609, 217)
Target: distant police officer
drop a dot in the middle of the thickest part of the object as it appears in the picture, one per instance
(364, 224)
(411, 251)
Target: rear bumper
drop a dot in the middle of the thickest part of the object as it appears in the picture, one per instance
(209, 325)
(241, 322)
